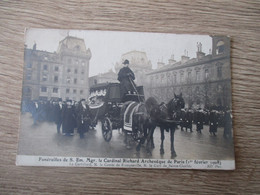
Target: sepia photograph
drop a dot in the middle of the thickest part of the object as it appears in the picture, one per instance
(126, 100)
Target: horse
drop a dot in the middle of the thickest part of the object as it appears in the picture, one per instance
(137, 124)
(164, 116)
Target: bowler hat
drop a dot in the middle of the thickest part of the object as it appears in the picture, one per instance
(126, 62)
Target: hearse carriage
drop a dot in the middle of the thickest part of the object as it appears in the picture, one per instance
(105, 102)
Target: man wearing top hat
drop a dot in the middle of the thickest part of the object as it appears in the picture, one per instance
(126, 78)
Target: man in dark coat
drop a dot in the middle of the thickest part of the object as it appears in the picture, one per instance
(126, 78)
(58, 114)
(188, 118)
(68, 119)
(83, 118)
(199, 118)
(182, 119)
(213, 122)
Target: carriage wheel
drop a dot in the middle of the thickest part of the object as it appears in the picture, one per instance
(107, 129)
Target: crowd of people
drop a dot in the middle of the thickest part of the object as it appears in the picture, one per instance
(71, 114)
(66, 115)
(213, 118)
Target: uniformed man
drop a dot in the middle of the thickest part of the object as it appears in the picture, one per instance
(199, 118)
(126, 78)
(213, 122)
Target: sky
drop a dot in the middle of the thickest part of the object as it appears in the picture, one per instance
(107, 47)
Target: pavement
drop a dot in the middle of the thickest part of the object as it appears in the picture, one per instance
(42, 139)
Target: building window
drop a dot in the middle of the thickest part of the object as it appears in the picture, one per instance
(175, 78)
(68, 70)
(27, 92)
(77, 62)
(75, 81)
(67, 90)
(74, 91)
(206, 73)
(56, 79)
(219, 72)
(82, 72)
(219, 89)
(56, 68)
(197, 75)
(45, 58)
(83, 63)
(181, 77)
(44, 77)
(76, 71)
(45, 67)
(77, 48)
(55, 90)
(69, 61)
(68, 79)
(220, 47)
(162, 78)
(43, 89)
(81, 92)
(29, 76)
(82, 81)
(189, 76)
(29, 65)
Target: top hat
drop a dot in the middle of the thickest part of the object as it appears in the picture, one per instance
(126, 62)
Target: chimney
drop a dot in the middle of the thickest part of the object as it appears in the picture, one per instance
(200, 55)
(171, 60)
(160, 64)
(184, 59)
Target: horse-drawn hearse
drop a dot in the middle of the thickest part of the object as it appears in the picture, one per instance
(133, 114)
(105, 103)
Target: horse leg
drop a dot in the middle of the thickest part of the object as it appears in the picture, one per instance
(148, 143)
(142, 138)
(173, 153)
(152, 141)
(162, 139)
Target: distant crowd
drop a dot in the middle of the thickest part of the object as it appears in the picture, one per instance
(66, 115)
(200, 117)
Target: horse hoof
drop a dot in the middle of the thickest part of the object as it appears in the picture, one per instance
(174, 154)
(161, 151)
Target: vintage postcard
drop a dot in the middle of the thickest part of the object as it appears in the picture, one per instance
(126, 100)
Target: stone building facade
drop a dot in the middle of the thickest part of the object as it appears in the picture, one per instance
(204, 81)
(62, 74)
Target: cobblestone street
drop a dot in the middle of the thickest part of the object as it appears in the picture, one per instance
(43, 140)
